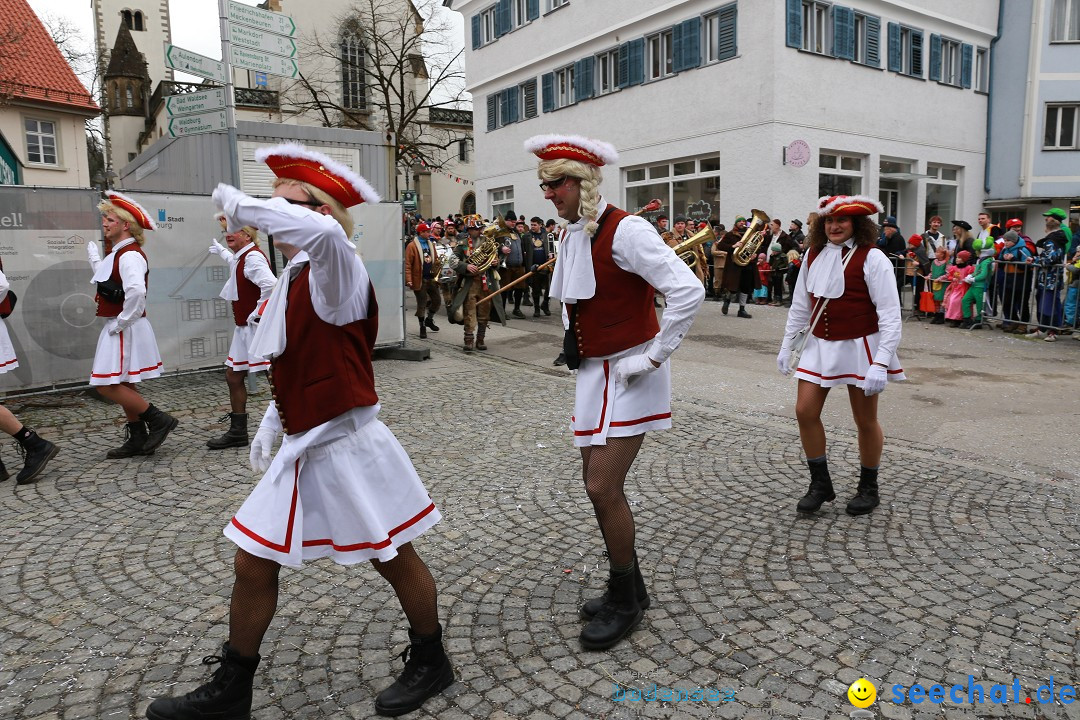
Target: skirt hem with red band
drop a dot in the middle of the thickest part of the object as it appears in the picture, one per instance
(8, 360)
(130, 356)
(239, 359)
(829, 363)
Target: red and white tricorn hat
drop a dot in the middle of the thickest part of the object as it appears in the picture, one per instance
(848, 205)
(292, 160)
(572, 147)
(136, 210)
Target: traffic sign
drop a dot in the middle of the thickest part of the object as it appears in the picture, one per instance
(263, 62)
(264, 41)
(180, 59)
(261, 19)
(195, 124)
(196, 102)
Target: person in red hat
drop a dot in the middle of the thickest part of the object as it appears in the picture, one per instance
(609, 264)
(422, 266)
(919, 260)
(127, 351)
(846, 309)
(340, 485)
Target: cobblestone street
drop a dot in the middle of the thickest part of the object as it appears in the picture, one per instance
(115, 577)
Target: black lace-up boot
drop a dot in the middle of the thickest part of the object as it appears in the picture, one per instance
(590, 608)
(427, 672)
(619, 615)
(235, 436)
(158, 425)
(821, 489)
(227, 696)
(430, 323)
(135, 437)
(36, 452)
(866, 498)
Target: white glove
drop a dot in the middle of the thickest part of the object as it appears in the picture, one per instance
(260, 448)
(970, 279)
(630, 367)
(226, 198)
(876, 380)
(782, 360)
(92, 252)
(116, 329)
(216, 248)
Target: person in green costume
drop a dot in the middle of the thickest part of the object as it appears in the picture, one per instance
(972, 302)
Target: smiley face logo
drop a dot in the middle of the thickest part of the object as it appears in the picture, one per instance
(862, 693)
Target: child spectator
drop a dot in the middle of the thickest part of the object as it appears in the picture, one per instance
(761, 294)
(778, 264)
(937, 274)
(972, 302)
(1016, 257)
(794, 262)
(1072, 294)
(957, 287)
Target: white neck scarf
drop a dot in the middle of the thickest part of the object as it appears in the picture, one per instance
(229, 292)
(825, 278)
(573, 278)
(269, 340)
(104, 268)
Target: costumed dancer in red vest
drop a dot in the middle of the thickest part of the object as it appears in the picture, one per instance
(609, 264)
(849, 286)
(340, 485)
(37, 451)
(127, 350)
(248, 287)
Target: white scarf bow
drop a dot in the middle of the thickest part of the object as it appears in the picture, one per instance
(825, 278)
(269, 340)
(230, 292)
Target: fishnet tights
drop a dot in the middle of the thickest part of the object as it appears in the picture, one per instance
(254, 602)
(415, 588)
(604, 469)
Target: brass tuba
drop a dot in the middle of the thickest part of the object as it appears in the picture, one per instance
(486, 254)
(747, 248)
(685, 249)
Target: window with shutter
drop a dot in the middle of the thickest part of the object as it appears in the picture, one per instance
(547, 86)
(895, 53)
(966, 57)
(624, 65)
(691, 43)
(532, 9)
(528, 99)
(794, 23)
(935, 57)
(873, 41)
(843, 32)
(492, 111)
(477, 32)
(607, 71)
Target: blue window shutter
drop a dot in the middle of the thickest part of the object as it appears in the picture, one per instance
(637, 61)
(504, 107)
(894, 48)
(691, 41)
(935, 57)
(477, 32)
(492, 111)
(579, 80)
(916, 53)
(677, 47)
(728, 45)
(873, 41)
(502, 18)
(583, 78)
(843, 32)
(512, 104)
(966, 56)
(794, 23)
(547, 83)
(624, 66)
(532, 9)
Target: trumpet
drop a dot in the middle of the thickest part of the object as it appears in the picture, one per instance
(747, 248)
(685, 249)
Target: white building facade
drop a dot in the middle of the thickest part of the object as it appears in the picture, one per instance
(718, 107)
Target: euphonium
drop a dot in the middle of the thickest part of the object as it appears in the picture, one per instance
(750, 243)
(486, 254)
(685, 249)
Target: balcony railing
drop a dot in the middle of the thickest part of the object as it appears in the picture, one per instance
(450, 116)
(245, 97)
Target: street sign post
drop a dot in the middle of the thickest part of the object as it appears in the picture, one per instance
(263, 41)
(197, 102)
(186, 61)
(196, 124)
(263, 62)
(260, 19)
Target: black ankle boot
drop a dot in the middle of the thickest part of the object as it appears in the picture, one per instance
(158, 426)
(37, 453)
(726, 305)
(430, 323)
(227, 696)
(136, 435)
(235, 436)
(423, 329)
(590, 608)
(821, 489)
(866, 498)
(743, 314)
(617, 617)
(427, 672)
(939, 319)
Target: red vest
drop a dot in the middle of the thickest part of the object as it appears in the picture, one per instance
(112, 309)
(620, 315)
(852, 315)
(247, 292)
(326, 369)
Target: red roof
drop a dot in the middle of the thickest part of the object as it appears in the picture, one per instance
(39, 72)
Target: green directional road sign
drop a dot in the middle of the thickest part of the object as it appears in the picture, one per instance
(263, 62)
(196, 102)
(180, 59)
(261, 19)
(195, 124)
(264, 41)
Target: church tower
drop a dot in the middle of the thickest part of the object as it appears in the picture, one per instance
(126, 85)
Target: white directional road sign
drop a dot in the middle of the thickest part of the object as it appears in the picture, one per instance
(261, 19)
(195, 124)
(264, 41)
(263, 62)
(180, 59)
(196, 102)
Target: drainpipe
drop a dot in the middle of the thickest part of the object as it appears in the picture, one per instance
(990, 97)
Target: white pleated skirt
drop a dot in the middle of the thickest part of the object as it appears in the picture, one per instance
(353, 499)
(239, 358)
(130, 356)
(842, 362)
(604, 408)
(8, 361)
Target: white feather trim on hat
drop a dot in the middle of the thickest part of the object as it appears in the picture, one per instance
(296, 150)
(599, 148)
(839, 200)
(114, 194)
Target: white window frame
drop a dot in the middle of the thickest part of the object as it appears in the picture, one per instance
(463, 150)
(563, 87)
(981, 71)
(502, 200)
(607, 71)
(1065, 21)
(907, 53)
(487, 26)
(668, 176)
(711, 26)
(839, 170)
(1054, 113)
(861, 29)
(519, 14)
(815, 26)
(659, 58)
(936, 173)
(951, 62)
(556, 4)
(39, 136)
(353, 72)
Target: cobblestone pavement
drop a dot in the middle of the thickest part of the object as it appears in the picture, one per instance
(115, 578)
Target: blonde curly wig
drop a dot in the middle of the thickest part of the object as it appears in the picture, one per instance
(107, 208)
(590, 178)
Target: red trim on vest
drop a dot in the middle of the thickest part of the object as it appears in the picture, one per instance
(853, 314)
(310, 384)
(620, 314)
(111, 309)
(247, 292)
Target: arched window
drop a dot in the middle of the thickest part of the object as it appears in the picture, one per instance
(353, 77)
(125, 17)
(468, 204)
(138, 21)
(129, 96)
(115, 95)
